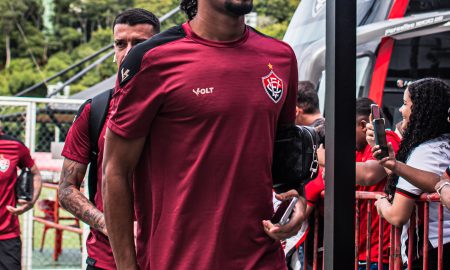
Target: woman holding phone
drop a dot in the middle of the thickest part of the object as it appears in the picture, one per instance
(425, 146)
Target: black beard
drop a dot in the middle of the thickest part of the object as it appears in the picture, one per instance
(238, 10)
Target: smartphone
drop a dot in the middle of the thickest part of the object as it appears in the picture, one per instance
(375, 111)
(379, 130)
(283, 212)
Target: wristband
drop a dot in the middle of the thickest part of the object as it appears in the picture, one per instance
(439, 189)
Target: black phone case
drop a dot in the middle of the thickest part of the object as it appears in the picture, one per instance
(380, 137)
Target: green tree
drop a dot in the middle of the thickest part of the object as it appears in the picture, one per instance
(160, 8)
(274, 16)
(11, 12)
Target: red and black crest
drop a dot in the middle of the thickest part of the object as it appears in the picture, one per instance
(4, 164)
(273, 86)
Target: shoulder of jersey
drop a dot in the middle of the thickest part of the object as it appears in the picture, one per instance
(276, 41)
(132, 63)
(11, 138)
(81, 109)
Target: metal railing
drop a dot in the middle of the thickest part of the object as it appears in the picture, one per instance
(38, 123)
(366, 199)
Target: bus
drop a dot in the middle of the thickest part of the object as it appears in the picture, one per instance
(397, 40)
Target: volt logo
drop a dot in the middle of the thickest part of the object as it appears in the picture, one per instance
(203, 91)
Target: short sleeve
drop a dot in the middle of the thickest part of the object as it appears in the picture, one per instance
(424, 157)
(135, 105)
(314, 188)
(287, 115)
(25, 158)
(77, 145)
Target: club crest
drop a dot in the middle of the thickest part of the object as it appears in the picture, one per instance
(273, 86)
(4, 164)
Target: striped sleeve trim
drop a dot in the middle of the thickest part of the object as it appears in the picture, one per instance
(407, 194)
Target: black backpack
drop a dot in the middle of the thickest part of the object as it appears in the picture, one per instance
(97, 117)
(294, 157)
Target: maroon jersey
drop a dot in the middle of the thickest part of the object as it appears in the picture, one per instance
(77, 148)
(209, 111)
(13, 154)
(363, 156)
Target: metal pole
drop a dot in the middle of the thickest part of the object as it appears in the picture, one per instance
(339, 238)
(81, 73)
(169, 14)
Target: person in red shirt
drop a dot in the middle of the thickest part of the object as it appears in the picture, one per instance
(370, 176)
(130, 27)
(190, 144)
(13, 154)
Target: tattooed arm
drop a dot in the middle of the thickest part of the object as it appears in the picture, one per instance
(71, 198)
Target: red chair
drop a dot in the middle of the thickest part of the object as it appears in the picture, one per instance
(48, 207)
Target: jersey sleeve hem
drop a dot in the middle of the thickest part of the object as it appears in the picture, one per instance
(123, 133)
(75, 158)
(30, 163)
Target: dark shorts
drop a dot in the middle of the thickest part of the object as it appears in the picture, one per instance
(90, 267)
(93, 268)
(91, 264)
(10, 254)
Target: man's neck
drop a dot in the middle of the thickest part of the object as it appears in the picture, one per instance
(308, 119)
(215, 25)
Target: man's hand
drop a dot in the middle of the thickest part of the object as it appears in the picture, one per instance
(388, 162)
(278, 232)
(21, 208)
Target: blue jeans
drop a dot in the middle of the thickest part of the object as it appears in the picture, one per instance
(373, 266)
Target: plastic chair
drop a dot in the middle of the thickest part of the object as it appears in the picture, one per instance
(48, 207)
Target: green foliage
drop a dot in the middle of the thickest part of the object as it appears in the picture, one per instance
(274, 15)
(58, 62)
(275, 30)
(279, 10)
(20, 75)
(79, 28)
(161, 7)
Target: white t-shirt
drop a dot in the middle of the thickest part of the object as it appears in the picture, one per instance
(432, 156)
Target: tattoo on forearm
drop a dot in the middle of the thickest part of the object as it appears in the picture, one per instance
(71, 198)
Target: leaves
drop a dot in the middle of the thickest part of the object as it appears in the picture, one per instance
(78, 28)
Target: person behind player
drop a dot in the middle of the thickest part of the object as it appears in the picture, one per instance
(130, 27)
(13, 154)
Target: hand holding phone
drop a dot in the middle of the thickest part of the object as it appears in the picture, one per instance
(379, 131)
(284, 211)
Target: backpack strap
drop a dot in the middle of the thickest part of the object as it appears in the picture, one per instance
(97, 117)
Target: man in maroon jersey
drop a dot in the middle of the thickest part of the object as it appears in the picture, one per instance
(13, 154)
(196, 111)
(130, 27)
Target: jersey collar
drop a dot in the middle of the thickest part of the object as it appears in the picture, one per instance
(191, 35)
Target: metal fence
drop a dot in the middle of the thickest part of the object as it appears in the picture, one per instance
(366, 200)
(51, 237)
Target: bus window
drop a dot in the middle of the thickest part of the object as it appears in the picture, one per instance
(421, 6)
(364, 66)
(412, 59)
